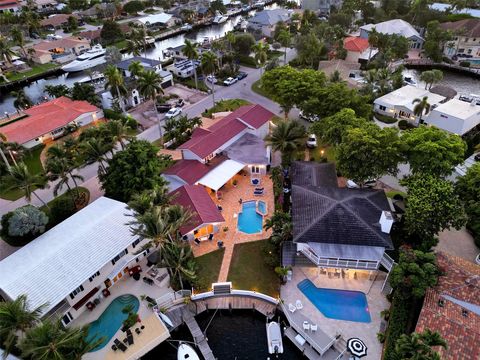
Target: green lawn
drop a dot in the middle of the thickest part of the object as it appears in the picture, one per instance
(392, 193)
(248, 270)
(37, 69)
(121, 44)
(328, 152)
(32, 160)
(81, 190)
(225, 105)
(191, 84)
(209, 268)
(256, 88)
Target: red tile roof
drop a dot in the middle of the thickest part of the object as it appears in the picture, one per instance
(189, 171)
(196, 199)
(355, 44)
(459, 289)
(45, 118)
(204, 142)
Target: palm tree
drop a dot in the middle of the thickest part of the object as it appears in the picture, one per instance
(139, 35)
(231, 39)
(132, 47)
(51, 340)
(148, 199)
(179, 260)
(149, 86)
(191, 52)
(59, 167)
(17, 36)
(20, 178)
(419, 345)
(285, 39)
(3, 141)
(261, 54)
(115, 84)
(118, 132)
(94, 150)
(209, 66)
(22, 101)
(373, 39)
(422, 107)
(6, 53)
(15, 319)
(287, 137)
(135, 68)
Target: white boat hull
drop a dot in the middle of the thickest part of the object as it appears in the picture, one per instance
(186, 352)
(220, 19)
(274, 338)
(76, 65)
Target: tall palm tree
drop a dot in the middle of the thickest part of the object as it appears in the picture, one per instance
(179, 260)
(58, 168)
(285, 39)
(51, 340)
(115, 84)
(421, 108)
(132, 47)
(418, 346)
(209, 66)
(260, 50)
(140, 34)
(148, 199)
(149, 86)
(287, 137)
(3, 140)
(373, 39)
(17, 36)
(15, 319)
(20, 178)
(6, 53)
(231, 39)
(191, 52)
(94, 150)
(135, 68)
(22, 101)
(118, 132)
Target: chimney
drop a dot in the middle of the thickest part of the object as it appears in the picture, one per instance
(386, 221)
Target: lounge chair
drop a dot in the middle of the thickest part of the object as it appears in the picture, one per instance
(306, 326)
(292, 308)
(197, 241)
(129, 337)
(258, 192)
(120, 345)
(313, 327)
(259, 189)
(114, 347)
(299, 305)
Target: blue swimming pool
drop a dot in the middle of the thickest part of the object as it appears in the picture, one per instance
(262, 207)
(111, 319)
(337, 304)
(249, 220)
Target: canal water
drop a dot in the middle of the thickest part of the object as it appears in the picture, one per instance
(236, 335)
(35, 91)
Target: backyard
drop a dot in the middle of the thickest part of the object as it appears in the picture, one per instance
(248, 270)
(225, 105)
(37, 69)
(208, 269)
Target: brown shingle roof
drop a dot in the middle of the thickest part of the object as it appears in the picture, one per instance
(458, 289)
(467, 27)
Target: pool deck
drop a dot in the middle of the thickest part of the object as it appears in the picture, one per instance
(128, 285)
(377, 302)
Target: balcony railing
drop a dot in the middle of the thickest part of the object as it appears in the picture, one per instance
(339, 263)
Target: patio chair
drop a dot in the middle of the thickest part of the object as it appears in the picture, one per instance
(258, 192)
(291, 308)
(196, 241)
(120, 345)
(220, 244)
(210, 237)
(138, 331)
(114, 347)
(299, 305)
(259, 189)
(255, 181)
(306, 326)
(129, 337)
(313, 327)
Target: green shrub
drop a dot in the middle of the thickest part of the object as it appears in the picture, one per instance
(125, 119)
(399, 317)
(386, 119)
(403, 124)
(60, 209)
(22, 225)
(246, 61)
(464, 64)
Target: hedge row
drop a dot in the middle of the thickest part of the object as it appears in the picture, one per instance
(397, 324)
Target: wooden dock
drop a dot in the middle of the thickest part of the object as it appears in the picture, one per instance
(231, 302)
(198, 336)
(309, 352)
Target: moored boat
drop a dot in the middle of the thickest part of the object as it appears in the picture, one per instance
(274, 338)
(185, 351)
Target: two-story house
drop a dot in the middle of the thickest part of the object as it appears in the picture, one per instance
(466, 38)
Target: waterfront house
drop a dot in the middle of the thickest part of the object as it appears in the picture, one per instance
(466, 38)
(336, 227)
(43, 6)
(321, 6)
(57, 21)
(60, 51)
(395, 26)
(47, 121)
(455, 116)
(452, 308)
(9, 6)
(157, 21)
(358, 49)
(265, 21)
(147, 64)
(74, 263)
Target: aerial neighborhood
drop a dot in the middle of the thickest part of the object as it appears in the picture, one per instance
(228, 180)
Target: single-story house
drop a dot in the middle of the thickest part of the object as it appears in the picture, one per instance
(71, 265)
(155, 21)
(56, 21)
(452, 308)
(266, 20)
(395, 26)
(336, 227)
(358, 49)
(61, 50)
(184, 68)
(147, 64)
(455, 116)
(206, 218)
(48, 120)
(11, 6)
(399, 103)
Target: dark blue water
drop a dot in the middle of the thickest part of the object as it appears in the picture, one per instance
(337, 304)
(237, 335)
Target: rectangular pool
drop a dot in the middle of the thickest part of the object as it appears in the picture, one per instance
(337, 304)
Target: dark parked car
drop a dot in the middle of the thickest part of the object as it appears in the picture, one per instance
(241, 75)
(163, 108)
(180, 103)
(477, 157)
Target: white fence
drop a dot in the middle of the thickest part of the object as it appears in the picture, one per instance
(339, 263)
(171, 299)
(254, 294)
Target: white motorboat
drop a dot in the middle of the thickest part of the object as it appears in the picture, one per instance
(219, 18)
(274, 338)
(96, 77)
(186, 27)
(93, 57)
(185, 351)
(259, 5)
(165, 319)
(149, 40)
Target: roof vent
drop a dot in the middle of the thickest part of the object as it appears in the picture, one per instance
(386, 221)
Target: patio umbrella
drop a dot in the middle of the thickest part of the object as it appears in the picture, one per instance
(357, 347)
(153, 258)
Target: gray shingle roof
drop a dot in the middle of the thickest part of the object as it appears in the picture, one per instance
(339, 216)
(147, 64)
(270, 17)
(313, 173)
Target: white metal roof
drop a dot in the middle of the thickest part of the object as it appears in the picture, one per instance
(58, 261)
(395, 26)
(458, 108)
(161, 18)
(405, 96)
(216, 178)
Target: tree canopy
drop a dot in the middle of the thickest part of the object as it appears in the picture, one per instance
(435, 40)
(110, 32)
(133, 170)
(133, 7)
(468, 188)
(332, 128)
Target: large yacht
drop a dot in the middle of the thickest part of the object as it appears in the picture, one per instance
(219, 18)
(93, 57)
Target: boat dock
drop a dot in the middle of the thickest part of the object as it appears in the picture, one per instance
(198, 336)
(230, 302)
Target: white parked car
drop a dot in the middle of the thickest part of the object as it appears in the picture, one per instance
(311, 118)
(368, 184)
(173, 112)
(312, 141)
(230, 81)
(212, 79)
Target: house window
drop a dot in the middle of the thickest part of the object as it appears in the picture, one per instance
(461, 51)
(94, 276)
(383, 108)
(135, 243)
(116, 258)
(464, 313)
(255, 169)
(469, 51)
(441, 303)
(76, 291)
(67, 318)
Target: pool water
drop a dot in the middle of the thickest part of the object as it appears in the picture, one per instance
(337, 304)
(262, 207)
(111, 320)
(249, 221)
